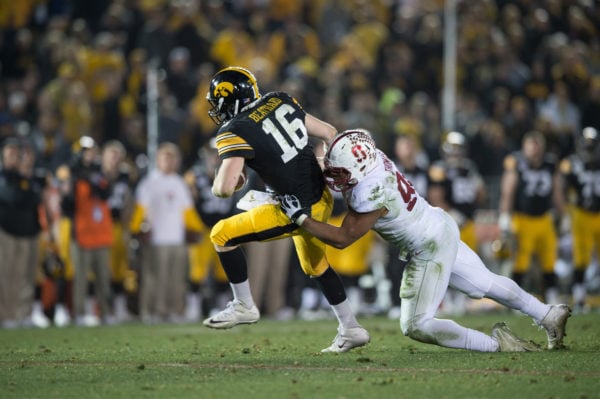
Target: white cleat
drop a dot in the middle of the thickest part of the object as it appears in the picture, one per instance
(555, 323)
(510, 342)
(347, 339)
(39, 320)
(61, 316)
(235, 313)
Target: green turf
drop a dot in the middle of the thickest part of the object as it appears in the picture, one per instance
(282, 360)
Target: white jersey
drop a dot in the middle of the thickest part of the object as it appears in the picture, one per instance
(437, 259)
(411, 223)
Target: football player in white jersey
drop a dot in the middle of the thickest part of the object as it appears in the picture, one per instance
(379, 197)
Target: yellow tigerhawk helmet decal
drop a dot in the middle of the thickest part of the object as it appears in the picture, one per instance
(223, 89)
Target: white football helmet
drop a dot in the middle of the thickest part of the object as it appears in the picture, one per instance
(351, 156)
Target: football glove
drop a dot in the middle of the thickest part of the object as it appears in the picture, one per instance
(290, 205)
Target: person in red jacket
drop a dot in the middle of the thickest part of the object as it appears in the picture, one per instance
(85, 199)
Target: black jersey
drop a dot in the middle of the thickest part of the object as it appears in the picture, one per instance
(460, 182)
(534, 190)
(270, 134)
(583, 180)
(120, 195)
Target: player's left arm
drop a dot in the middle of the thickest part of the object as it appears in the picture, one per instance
(228, 177)
(354, 226)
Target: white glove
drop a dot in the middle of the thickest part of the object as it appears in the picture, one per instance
(290, 204)
(565, 224)
(504, 222)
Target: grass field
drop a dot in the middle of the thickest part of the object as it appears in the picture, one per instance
(282, 360)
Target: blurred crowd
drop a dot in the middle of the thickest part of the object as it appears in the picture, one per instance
(73, 109)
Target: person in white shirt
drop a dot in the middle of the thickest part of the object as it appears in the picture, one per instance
(163, 213)
(379, 197)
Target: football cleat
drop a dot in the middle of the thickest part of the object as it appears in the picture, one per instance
(235, 313)
(510, 342)
(37, 318)
(348, 338)
(61, 316)
(555, 323)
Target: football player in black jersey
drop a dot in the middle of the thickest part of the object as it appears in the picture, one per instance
(531, 190)
(581, 172)
(456, 186)
(270, 134)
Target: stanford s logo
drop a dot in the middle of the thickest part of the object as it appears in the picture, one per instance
(359, 153)
(223, 89)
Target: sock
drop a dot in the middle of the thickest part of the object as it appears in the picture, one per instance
(344, 314)
(241, 293)
(506, 292)
(331, 286)
(476, 340)
(234, 264)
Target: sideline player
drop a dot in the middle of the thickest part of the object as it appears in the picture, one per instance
(270, 134)
(581, 173)
(530, 192)
(380, 197)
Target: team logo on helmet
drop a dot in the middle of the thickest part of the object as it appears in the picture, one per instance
(223, 89)
(350, 157)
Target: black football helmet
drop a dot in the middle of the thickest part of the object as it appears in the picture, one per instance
(230, 90)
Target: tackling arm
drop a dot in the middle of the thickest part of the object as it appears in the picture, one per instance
(354, 226)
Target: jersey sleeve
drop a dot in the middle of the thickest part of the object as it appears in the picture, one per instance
(368, 199)
(230, 145)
